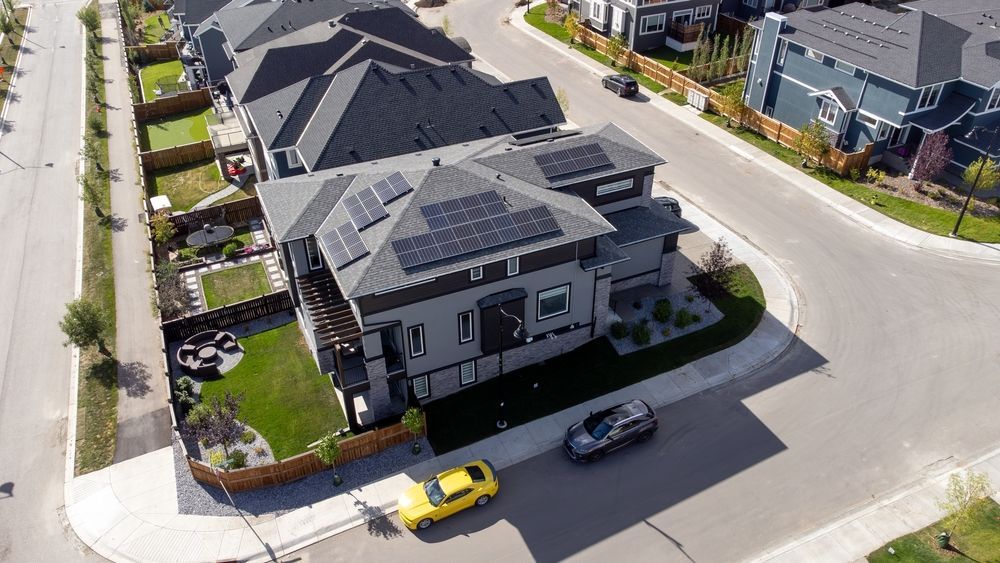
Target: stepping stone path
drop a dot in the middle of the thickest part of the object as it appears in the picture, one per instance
(192, 278)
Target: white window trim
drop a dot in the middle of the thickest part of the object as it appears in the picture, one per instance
(813, 54)
(475, 273)
(596, 6)
(839, 63)
(706, 16)
(751, 3)
(292, 156)
(419, 329)
(874, 120)
(516, 262)
(617, 19)
(782, 52)
(462, 372)
(644, 28)
(994, 101)
(612, 187)
(932, 101)
(811, 3)
(472, 327)
(681, 13)
(315, 252)
(824, 103)
(426, 386)
(551, 293)
(882, 133)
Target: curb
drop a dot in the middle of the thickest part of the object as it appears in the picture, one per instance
(17, 65)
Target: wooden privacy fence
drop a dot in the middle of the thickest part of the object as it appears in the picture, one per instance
(730, 25)
(235, 213)
(152, 52)
(176, 156)
(836, 160)
(242, 312)
(302, 465)
(180, 103)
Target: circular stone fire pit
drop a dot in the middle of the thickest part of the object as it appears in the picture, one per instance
(201, 354)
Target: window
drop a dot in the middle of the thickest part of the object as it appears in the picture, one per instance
(898, 136)
(828, 112)
(420, 387)
(769, 111)
(416, 340)
(476, 273)
(814, 55)
(293, 158)
(617, 19)
(811, 3)
(682, 17)
(457, 495)
(513, 265)
(467, 373)
(465, 333)
(703, 12)
(652, 24)
(994, 100)
(312, 251)
(618, 186)
(868, 120)
(751, 3)
(845, 67)
(782, 51)
(553, 302)
(883, 130)
(597, 10)
(929, 96)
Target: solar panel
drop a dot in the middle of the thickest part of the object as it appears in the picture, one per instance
(571, 160)
(364, 208)
(388, 189)
(344, 245)
(459, 211)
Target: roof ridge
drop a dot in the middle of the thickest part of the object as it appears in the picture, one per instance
(319, 104)
(305, 208)
(364, 76)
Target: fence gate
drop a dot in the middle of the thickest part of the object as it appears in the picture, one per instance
(697, 99)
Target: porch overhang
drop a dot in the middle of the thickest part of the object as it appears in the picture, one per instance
(947, 113)
(838, 95)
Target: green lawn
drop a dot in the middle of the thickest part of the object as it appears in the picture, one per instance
(180, 129)
(249, 189)
(153, 73)
(929, 219)
(587, 372)
(233, 285)
(536, 17)
(676, 98)
(188, 184)
(979, 542)
(9, 49)
(154, 26)
(286, 399)
(674, 60)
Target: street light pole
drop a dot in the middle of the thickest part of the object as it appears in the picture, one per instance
(520, 334)
(975, 184)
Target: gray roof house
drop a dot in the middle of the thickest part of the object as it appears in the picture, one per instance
(881, 78)
(188, 14)
(372, 110)
(400, 268)
(649, 24)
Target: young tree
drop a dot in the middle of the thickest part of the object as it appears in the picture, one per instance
(721, 64)
(572, 25)
(90, 19)
(413, 420)
(7, 27)
(89, 194)
(170, 287)
(85, 325)
(931, 159)
(732, 103)
(163, 229)
(813, 142)
(982, 174)
(218, 424)
(328, 450)
(963, 500)
(717, 266)
(743, 52)
(701, 50)
(713, 61)
(616, 46)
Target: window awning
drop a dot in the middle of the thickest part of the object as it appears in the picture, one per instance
(838, 95)
(947, 113)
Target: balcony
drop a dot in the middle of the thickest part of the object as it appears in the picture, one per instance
(683, 33)
(226, 133)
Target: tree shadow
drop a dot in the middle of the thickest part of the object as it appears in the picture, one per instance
(7, 489)
(956, 551)
(7, 126)
(116, 223)
(104, 372)
(115, 175)
(378, 525)
(134, 378)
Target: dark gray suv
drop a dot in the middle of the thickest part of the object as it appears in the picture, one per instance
(605, 431)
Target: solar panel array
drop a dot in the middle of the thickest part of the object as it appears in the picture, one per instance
(364, 208)
(388, 189)
(467, 224)
(572, 160)
(344, 245)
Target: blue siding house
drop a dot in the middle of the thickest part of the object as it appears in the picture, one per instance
(752, 9)
(871, 76)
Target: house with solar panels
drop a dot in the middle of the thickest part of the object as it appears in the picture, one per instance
(401, 268)
(875, 77)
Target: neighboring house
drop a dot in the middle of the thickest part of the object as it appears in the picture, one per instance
(648, 24)
(188, 14)
(245, 24)
(372, 111)
(399, 268)
(871, 76)
(748, 10)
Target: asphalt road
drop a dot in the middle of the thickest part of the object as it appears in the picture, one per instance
(38, 227)
(893, 376)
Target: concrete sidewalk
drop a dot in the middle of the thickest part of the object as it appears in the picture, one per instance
(856, 211)
(129, 511)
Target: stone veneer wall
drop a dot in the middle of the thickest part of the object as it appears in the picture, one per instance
(666, 268)
(651, 278)
(602, 300)
(378, 395)
(446, 381)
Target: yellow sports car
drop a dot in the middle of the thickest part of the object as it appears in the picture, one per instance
(454, 490)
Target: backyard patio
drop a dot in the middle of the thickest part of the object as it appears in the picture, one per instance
(175, 130)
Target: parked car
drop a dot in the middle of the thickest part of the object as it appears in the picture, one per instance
(670, 204)
(621, 84)
(607, 430)
(446, 493)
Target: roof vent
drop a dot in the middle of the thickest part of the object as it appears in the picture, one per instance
(500, 177)
(339, 174)
(332, 23)
(269, 29)
(493, 109)
(278, 112)
(283, 27)
(507, 149)
(436, 161)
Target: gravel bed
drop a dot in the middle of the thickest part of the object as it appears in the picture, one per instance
(195, 498)
(197, 451)
(699, 306)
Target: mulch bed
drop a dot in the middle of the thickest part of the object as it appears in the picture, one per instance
(934, 194)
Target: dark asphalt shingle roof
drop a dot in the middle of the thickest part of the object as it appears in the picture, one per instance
(607, 253)
(639, 224)
(372, 111)
(948, 111)
(841, 96)
(193, 12)
(397, 27)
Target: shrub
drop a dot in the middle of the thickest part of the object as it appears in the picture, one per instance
(187, 253)
(619, 330)
(855, 174)
(696, 318)
(875, 176)
(248, 437)
(184, 400)
(163, 229)
(95, 124)
(237, 459)
(185, 384)
(666, 333)
(260, 451)
(716, 265)
(640, 334)
(662, 310)
(813, 142)
(683, 319)
(689, 298)
(217, 458)
(230, 249)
